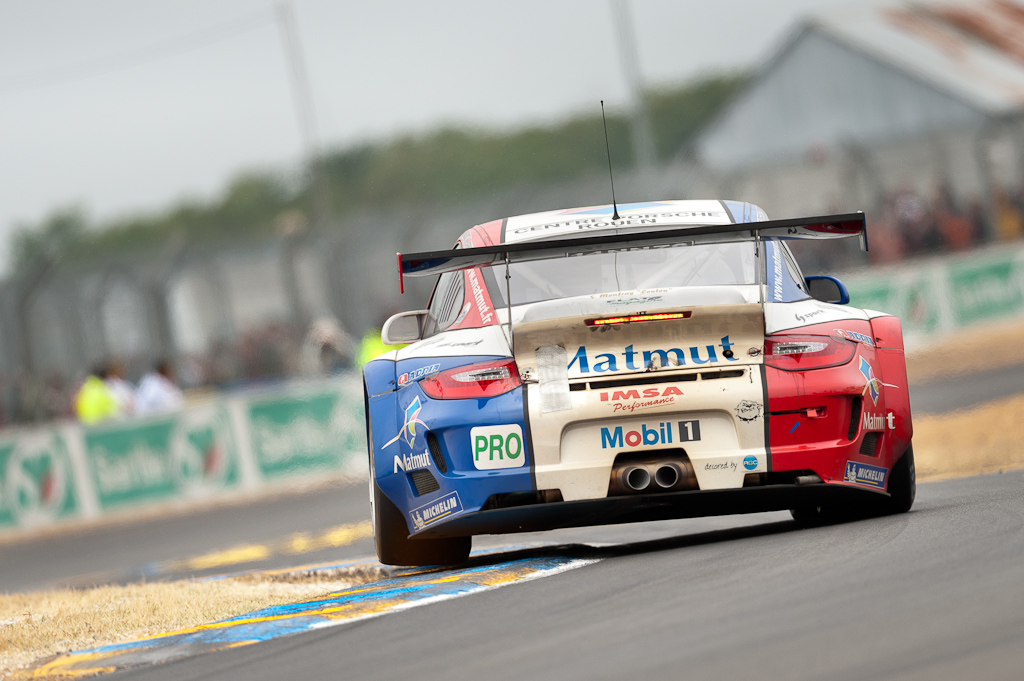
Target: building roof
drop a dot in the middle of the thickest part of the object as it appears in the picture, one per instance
(873, 72)
(972, 49)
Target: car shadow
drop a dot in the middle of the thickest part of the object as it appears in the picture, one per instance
(499, 555)
(587, 551)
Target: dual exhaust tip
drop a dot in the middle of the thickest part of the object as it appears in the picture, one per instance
(647, 475)
(638, 478)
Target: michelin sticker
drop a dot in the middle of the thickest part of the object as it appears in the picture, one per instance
(447, 506)
(863, 474)
(497, 447)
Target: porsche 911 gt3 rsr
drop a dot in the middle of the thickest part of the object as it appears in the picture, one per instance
(601, 365)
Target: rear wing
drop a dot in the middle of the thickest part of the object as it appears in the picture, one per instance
(612, 239)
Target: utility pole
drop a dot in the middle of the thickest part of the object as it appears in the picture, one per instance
(640, 122)
(302, 96)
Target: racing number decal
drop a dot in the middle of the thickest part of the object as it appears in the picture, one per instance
(689, 431)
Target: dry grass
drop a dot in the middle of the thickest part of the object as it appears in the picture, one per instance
(984, 439)
(969, 351)
(37, 625)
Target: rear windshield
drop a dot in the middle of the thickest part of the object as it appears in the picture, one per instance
(700, 265)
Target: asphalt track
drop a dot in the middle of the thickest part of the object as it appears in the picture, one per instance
(932, 594)
(947, 394)
(130, 551)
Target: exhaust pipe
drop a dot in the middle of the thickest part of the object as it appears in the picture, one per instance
(651, 474)
(636, 478)
(668, 475)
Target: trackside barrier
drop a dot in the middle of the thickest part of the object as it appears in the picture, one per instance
(315, 430)
(66, 471)
(939, 295)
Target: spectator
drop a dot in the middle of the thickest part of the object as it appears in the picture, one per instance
(95, 402)
(370, 347)
(884, 235)
(1009, 221)
(956, 230)
(326, 348)
(979, 221)
(157, 392)
(121, 389)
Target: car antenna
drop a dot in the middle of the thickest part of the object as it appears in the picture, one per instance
(508, 296)
(608, 151)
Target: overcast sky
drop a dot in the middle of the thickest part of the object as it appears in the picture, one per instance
(101, 105)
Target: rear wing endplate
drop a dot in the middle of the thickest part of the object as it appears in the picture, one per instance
(611, 239)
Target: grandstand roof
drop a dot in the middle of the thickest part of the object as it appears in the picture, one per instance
(877, 71)
(974, 49)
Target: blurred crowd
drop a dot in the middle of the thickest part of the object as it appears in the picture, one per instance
(106, 395)
(907, 223)
(128, 387)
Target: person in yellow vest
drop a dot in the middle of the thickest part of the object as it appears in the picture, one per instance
(371, 347)
(95, 401)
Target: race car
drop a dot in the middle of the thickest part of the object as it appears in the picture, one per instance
(614, 364)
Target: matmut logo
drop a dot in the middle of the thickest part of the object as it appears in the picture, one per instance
(638, 360)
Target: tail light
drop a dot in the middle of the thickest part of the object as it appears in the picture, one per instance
(487, 379)
(801, 353)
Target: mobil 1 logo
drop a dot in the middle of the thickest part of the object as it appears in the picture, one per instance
(497, 447)
(689, 431)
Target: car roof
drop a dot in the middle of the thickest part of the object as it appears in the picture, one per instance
(591, 220)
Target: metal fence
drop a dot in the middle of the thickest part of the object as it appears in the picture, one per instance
(241, 313)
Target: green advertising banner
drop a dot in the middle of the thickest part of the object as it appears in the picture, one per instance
(188, 454)
(37, 484)
(909, 297)
(943, 294)
(317, 431)
(989, 289)
(204, 451)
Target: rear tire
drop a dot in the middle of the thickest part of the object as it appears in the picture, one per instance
(902, 484)
(394, 547)
(390, 532)
(902, 490)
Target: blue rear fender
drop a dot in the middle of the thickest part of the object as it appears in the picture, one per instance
(379, 382)
(467, 476)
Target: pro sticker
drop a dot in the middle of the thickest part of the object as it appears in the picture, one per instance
(497, 447)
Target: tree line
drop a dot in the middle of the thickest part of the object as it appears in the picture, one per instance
(443, 166)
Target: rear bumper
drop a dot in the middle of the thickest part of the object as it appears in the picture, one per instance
(647, 507)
